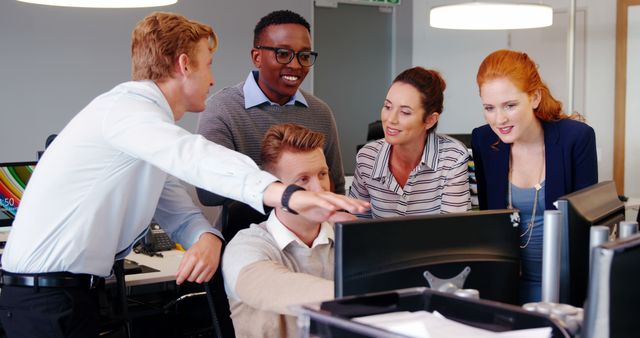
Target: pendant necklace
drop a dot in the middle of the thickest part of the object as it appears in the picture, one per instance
(538, 186)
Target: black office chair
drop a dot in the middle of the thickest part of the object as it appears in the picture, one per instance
(50, 139)
(219, 306)
(186, 311)
(464, 138)
(234, 216)
(374, 132)
(47, 142)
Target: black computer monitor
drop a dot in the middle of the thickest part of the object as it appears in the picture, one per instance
(13, 180)
(612, 307)
(393, 253)
(595, 205)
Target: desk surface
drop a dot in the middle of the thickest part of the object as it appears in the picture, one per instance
(167, 266)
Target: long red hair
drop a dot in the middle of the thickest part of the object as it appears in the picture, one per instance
(523, 73)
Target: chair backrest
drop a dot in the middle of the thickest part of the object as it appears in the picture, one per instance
(464, 138)
(50, 139)
(237, 216)
(374, 131)
(209, 199)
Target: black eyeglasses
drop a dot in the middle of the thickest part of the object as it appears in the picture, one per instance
(306, 58)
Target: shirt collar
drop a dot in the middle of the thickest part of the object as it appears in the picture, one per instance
(284, 236)
(430, 155)
(150, 91)
(253, 95)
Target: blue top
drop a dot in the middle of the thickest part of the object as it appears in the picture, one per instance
(522, 199)
(570, 162)
(530, 289)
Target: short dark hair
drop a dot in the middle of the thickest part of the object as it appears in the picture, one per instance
(280, 17)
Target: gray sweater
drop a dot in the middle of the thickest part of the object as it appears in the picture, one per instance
(225, 121)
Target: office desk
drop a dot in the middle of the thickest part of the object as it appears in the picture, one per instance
(334, 317)
(167, 266)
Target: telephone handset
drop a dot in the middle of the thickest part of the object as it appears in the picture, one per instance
(157, 240)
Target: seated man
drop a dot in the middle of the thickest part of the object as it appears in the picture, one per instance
(287, 259)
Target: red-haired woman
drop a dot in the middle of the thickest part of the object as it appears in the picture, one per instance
(528, 154)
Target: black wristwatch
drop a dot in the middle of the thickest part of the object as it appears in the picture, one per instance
(286, 196)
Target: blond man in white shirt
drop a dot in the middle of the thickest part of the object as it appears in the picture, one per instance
(114, 167)
(287, 259)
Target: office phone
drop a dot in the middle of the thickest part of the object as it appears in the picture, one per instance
(157, 239)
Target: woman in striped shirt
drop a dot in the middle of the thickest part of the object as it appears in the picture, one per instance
(413, 170)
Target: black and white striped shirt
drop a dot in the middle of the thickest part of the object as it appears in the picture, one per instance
(439, 184)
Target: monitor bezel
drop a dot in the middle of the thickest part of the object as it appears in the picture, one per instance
(605, 214)
(600, 319)
(339, 228)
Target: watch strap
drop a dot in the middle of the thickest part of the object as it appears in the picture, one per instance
(286, 196)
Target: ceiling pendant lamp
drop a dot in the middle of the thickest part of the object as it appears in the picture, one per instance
(103, 3)
(490, 16)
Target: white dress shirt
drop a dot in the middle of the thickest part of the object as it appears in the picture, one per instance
(112, 169)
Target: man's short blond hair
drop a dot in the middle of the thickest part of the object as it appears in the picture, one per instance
(287, 137)
(160, 38)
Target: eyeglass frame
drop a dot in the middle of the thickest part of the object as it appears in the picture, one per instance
(293, 54)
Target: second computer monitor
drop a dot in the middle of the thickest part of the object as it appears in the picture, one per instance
(612, 304)
(595, 205)
(393, 253)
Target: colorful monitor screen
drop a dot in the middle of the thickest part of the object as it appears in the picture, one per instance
(13, 180)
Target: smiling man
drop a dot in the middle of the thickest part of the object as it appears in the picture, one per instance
(237, 117)
(287, 259)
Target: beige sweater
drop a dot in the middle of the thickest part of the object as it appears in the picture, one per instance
(265, 276)
(269, 290)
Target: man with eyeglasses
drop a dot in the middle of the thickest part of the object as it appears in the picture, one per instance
(237, 117)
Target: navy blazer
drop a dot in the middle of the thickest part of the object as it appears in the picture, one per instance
(570, 160)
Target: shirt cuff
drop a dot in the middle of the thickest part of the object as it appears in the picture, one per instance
(254, 187)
